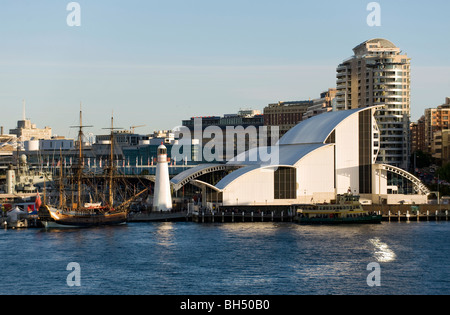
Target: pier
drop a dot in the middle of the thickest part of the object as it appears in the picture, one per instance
(394, 213)
(241, 216)
(159, 216)
(407, 213)
(428, 216)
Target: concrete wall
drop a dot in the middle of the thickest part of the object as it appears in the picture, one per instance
(315, 176)
(252, 188)
(347, 155)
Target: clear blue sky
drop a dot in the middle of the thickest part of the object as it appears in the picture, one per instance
(155, 63)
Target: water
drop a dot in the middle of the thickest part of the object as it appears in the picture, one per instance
(236, 258)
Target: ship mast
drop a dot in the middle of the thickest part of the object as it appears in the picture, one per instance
(111, 163)
(80, 165)
(80, 159)
(61, 186)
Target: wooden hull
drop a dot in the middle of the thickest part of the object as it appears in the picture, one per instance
(52, 217)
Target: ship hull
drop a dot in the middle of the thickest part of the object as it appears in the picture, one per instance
(51, 217)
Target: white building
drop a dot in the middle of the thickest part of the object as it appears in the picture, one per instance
(162, 199)
(329, 154)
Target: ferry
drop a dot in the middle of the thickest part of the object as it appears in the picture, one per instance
(346, 210)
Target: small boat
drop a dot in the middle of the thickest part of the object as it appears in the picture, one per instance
(346, 210)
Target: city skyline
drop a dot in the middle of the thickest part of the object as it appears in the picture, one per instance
(156, 64)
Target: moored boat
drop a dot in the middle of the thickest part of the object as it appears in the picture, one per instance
(84, 217)
(347, 210)
(78, 214)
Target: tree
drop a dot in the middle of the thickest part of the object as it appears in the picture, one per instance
(422, 159)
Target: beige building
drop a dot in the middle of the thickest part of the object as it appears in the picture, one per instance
(440, 145)
(26, 131)
(436, 119)
(417, 130)
(321, 105)
(379, 74)
(285, 115)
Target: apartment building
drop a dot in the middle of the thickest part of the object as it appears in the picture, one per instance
(436, 120)
(379, 74)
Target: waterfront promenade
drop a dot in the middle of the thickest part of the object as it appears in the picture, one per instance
(402, 213)
(247, 214)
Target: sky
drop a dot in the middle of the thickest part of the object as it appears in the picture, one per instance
(155, 63)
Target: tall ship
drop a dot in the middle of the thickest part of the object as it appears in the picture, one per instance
(85, 214)
(346, 210)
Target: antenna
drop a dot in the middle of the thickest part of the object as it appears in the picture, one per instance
(23, 110)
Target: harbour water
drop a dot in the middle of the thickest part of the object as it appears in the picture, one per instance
(186, 258)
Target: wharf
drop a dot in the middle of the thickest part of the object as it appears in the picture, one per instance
(411, 212)
(241, 216)
(158, 216)
(24, 221)
(436, 216)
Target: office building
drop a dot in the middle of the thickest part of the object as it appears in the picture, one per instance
(25, 131)
(285, 115)
(224, 137)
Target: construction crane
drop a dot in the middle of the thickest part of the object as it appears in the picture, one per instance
(134, 127)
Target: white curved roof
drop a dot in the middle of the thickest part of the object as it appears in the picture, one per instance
(287, 155)
(192, 171)
(298, 142)
(317, 129)
(235, 175)
(282, 155)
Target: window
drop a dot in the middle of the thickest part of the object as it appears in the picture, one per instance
(365, 152)
(285, 183)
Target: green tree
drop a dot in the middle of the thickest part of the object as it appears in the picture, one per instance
(422, 159)
(444, 172)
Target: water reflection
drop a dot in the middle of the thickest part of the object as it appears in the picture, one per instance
(250, 229)
(165, 234)
(382, 251)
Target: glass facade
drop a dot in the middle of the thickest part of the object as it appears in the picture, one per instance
(365, 152)
(397, 184)
(285, 183)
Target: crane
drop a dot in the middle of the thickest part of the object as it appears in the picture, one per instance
(134, 127)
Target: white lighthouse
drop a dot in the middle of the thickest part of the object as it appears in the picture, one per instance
(162, 199)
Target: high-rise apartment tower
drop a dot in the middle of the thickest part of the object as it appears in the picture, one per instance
(379, 74)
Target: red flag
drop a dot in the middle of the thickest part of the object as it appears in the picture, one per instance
(38, 201)
(30, 208)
